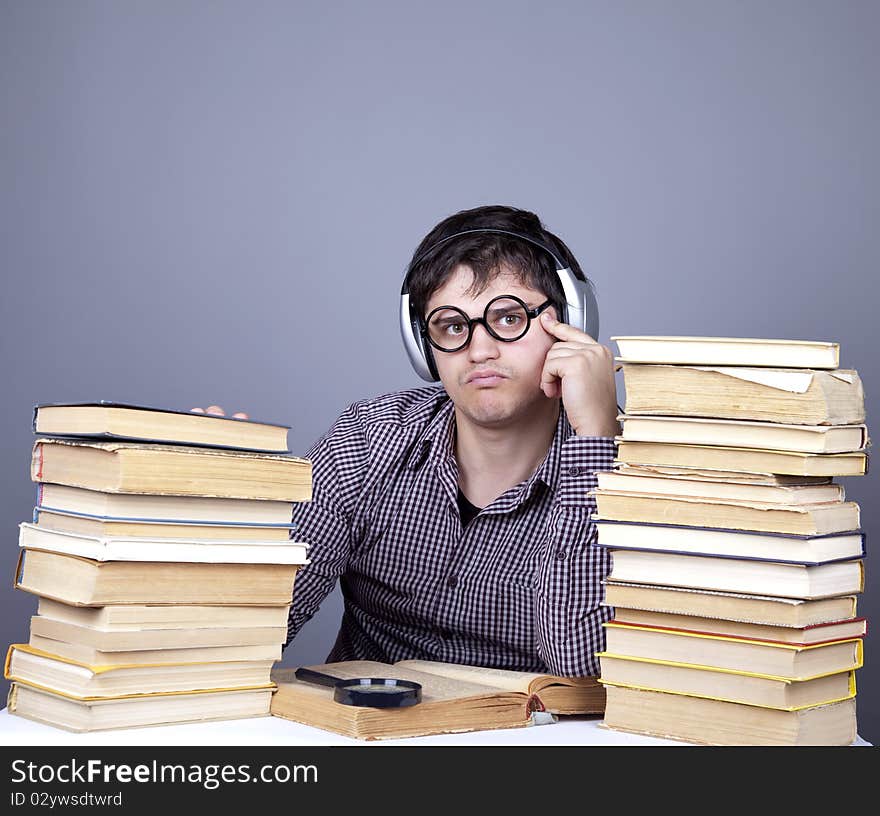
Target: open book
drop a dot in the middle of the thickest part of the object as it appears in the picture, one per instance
(455, 698)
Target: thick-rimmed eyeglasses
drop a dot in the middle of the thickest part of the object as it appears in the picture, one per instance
(506, 318)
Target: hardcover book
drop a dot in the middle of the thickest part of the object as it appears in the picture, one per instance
(118, 420)
(718, 722)
(144, 636)
(730, 543)
(720, 486)
(843, 629)
(744, 434)
(142, 548)
(787, 661)
(751, 460)
(81, 716)
(88, 582)
(797, 397)
(749, 576)
(773, 610)
(141, 507)
(692, 511)
(124, 617)
(28, 666)
(731, 686)
(81, 653)
(132, 467)
(728, 351)
(104, 527)
(716, 475)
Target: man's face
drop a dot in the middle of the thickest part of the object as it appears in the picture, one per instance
(492, 382)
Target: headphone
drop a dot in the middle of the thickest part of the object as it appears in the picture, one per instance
(579, 309)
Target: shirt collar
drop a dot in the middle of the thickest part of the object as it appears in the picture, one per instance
(435, 442)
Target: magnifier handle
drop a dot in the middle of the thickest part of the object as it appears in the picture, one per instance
(312, 676)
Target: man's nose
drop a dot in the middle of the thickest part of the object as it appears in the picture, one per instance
(483, 345)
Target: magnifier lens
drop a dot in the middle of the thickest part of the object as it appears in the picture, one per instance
(372, 688)
(378, 692)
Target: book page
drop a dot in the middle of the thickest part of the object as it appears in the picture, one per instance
(435, 687)
(500, 678)
(797, 382)
(182, 450)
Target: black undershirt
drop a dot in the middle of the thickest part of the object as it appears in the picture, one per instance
(465, 509)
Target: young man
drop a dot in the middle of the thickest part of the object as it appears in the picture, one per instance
(456, 517)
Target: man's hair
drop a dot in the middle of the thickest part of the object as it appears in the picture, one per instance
(489, 254)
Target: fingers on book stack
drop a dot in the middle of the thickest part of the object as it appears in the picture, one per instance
(163, 559)
(737, 561)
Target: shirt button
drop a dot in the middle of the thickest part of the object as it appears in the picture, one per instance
(452, 582)
(560, 553)
(574, 471)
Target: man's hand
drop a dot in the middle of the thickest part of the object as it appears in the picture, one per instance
(218, 411)
(581, 371)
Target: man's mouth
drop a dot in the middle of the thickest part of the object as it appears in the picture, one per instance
(485, 377)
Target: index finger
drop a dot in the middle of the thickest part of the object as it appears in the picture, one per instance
(565, 331)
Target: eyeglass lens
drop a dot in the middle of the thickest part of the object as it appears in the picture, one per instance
(505, 318)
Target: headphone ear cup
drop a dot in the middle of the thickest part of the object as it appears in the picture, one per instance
(580, 309)
(590, 311)
(430, 362)
(418, 351)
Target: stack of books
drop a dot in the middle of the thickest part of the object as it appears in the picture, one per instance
(162, 556)
(736, 559)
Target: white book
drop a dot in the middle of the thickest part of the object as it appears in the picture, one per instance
(147, 507)
(716, 541)
(135, 711)
(727, 351)
(744, 434)
(737, 574)
(142, 548)
(678, 482)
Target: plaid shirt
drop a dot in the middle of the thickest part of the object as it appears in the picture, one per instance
(519, 587)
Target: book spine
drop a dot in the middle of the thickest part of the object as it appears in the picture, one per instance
(37, 463)
(19, 569)
(534, 703)
(850, 694)
(693, 633)
(8, 661)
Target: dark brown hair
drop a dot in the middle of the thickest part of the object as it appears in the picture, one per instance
(488, 254)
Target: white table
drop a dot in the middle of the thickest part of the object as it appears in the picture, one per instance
(572, 731)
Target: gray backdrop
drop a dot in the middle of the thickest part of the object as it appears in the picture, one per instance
(214, 202)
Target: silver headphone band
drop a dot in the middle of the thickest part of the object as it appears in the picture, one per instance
(560, 266)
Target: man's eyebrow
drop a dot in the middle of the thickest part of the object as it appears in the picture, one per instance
(513, 307)
(450, 317)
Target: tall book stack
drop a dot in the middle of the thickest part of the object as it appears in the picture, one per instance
(737, 561)
(162, 556)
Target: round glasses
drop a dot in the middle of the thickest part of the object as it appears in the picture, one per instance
(505, 317)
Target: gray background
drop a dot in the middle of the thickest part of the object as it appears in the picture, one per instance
(214, 202)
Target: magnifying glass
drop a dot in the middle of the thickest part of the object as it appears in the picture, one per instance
(374, 692)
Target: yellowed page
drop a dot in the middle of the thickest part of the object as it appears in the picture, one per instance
(435, 687)
(500, 678)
